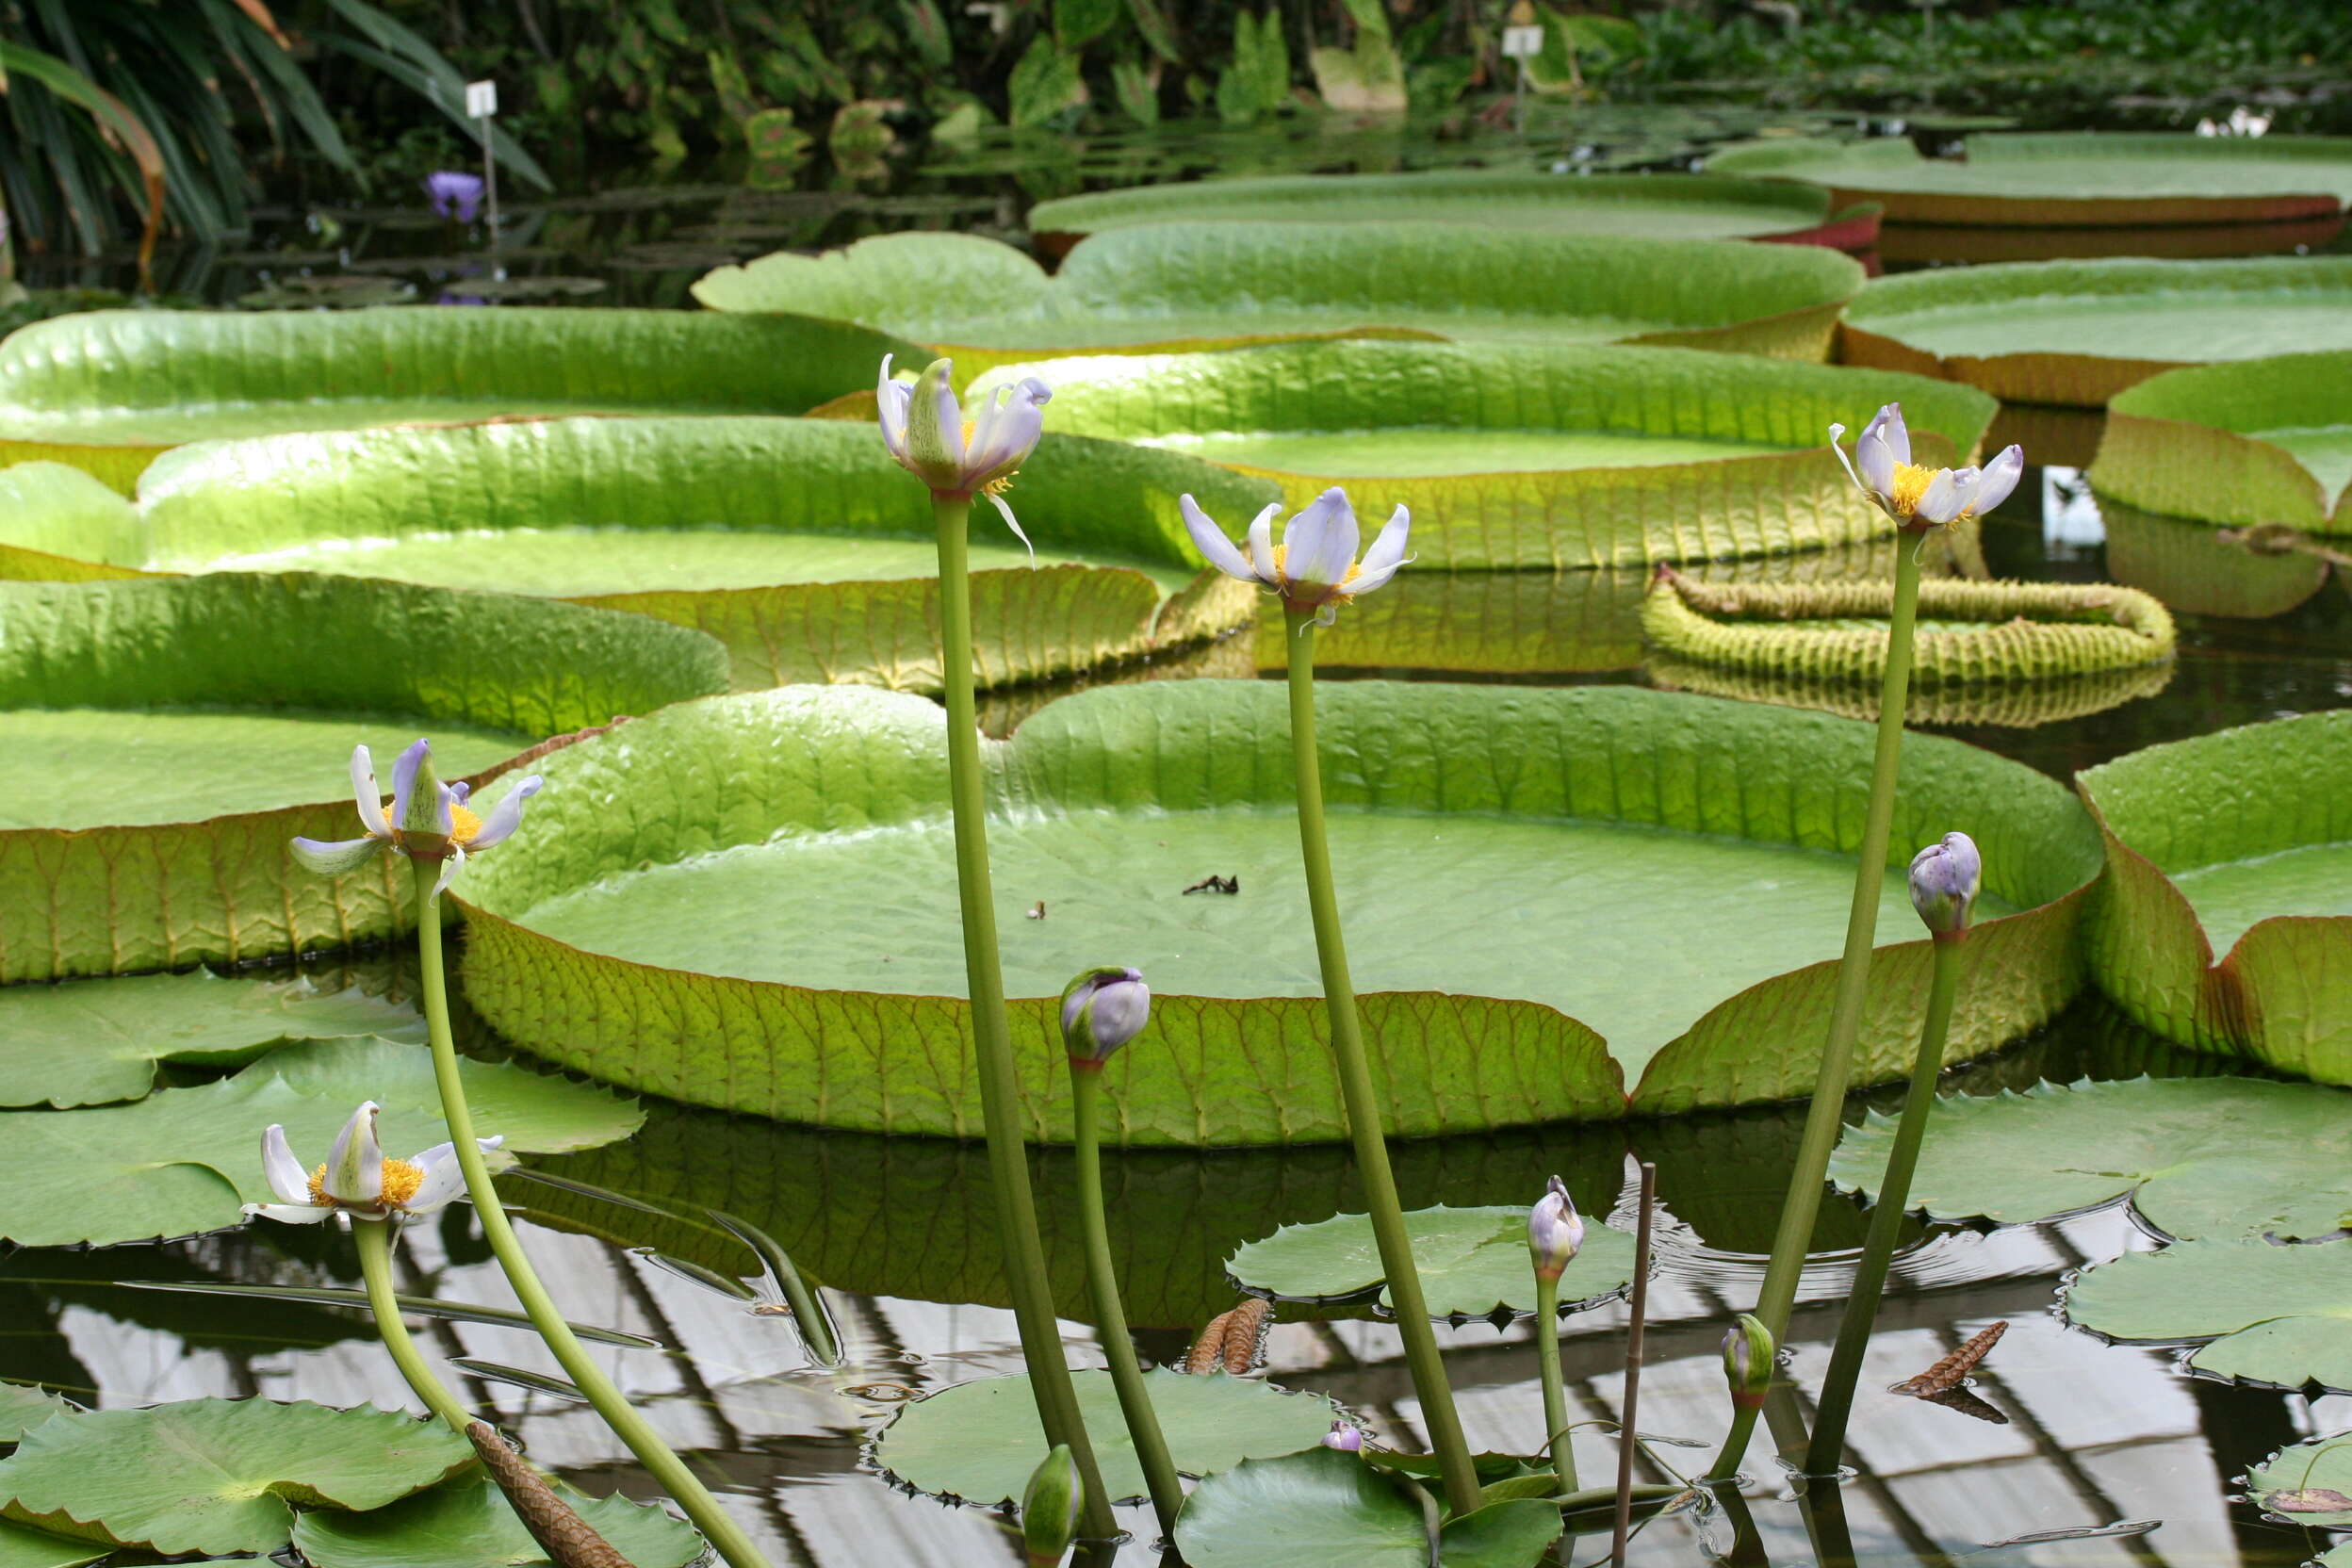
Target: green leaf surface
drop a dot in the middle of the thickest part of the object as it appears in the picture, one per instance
(22, 1408)
(84, 1042)
(108, 390)
(1323, 1509)
(2199, 1158)
(1471, 1261)
(2259, 441)
(2285, 1482)
(2272, 1314)
(215, 1476)
(21, 1547)
(979, 1441)
(467, 1523)
(193, 865)
(1526, 455)
(2078, 333)
(182, 1161)
(1214, 284)
(1118, 799)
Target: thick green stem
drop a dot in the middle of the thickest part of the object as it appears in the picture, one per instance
(1878, 1247)
(1362, 1103)
(1555, 1390)
(374, 1240)
(1825, 1119)
(1110, 1315)
(991, 1030)
(668, 1471)
(1736, 1440)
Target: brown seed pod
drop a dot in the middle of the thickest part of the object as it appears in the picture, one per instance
(1235, 1341)
(564, 1535)
(1947, 1373)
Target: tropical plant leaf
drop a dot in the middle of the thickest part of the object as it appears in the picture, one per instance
(88, 1041)
(1524, 455)
(467, 1523)
(22, 1408)
(1472, 1261)
(215, 1476)
(2199, 1158)
(2080, 331)
(2296, 1481)
(1323, 1509)
(1217, 284)
(306, 664)
(21, 1547)
(2267, 1313)
(182, 1161)
(2260, 441)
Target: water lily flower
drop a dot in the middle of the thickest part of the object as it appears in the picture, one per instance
(1916, 497)
(1554, 1231)
(2242, 122)
(454, 194)
(1102, 1010)
(357, 1180)
(924, 428)
(1944, 880)
(437, 823)
(1050, 1505)
(1749, 1359)
(1344, 1436)
(1314, 568)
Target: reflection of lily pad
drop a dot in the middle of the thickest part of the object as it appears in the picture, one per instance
(2271, 1314)
(1219, 285)
(831, 575)
(215, 1476)
(1124, 796)
(2262, 441)
(2200, 570)
(2236, 844)
(165, 739)
(1471, 1261)
(2219, 1157)
(979, 1441)
(1525, 455)
(2298, 1483)
(468, 1524)
(1330, 1510)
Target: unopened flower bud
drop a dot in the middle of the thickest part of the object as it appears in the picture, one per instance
(1344, 1436)
(1554, 1231)
(1944, 878)
(1749, 1361)
(1050, 1508)
(1102, 1011)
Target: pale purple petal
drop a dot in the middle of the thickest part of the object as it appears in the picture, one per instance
(1210, 541)
(443, 797)
(1262, 544)
(1387, 554)
(892, 398)
(1007, 429)
(404, 778)
(507, 815)
(1997, 480)
(1945, 497)
(1896, 433)
(460, 792)
(336, 858)
(1319, 545)
(288, 1178)
(1876, 458)
(287, 1214)
(365, 795)
(450, 865)
(1014, 523)
(454, 194)
(355, 1164)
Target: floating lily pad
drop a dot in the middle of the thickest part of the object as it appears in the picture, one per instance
(637, 952)
(832, 576)
(22, 1408)
(467, 1523)
(2237, 843)
(2296, 1483)
(2199, 1158)
(2078, 178)
(1527, 456)
(979, 1441)
(84, 1042)
(2079, 331)
(2197, 569)
(2262, 441)
(215, 1476)
(182, 1161)
(2014, 704)
(1471, 1261)
(2271, 1314)
(108, 390)
(1328, 1509)
(21, 1547)
(165, 739)
(1197, 285)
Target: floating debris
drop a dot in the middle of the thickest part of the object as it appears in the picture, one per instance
(1235, 1341)
(1036, 911)
(1947, 1374)
(1216, 884)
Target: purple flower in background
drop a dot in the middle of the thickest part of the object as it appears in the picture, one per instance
(454, 195)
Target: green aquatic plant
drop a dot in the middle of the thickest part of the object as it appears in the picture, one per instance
(1555, 1235)
(1750, 1359)
(1052, 1506)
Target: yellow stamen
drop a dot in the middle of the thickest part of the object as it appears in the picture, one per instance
(463, 826)
(1910, 485)
(401, 1180)
(1337, 595)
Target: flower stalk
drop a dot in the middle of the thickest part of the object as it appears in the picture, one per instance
(373, 1238)
(1750, 1358)
(1555, 1235)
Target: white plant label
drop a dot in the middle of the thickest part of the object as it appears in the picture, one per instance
(481, 100)
(1522, 43)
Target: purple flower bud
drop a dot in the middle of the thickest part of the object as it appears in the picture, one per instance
(1749, 1360)
(1554, 1231)
(455, 195)
(1944, 878)
(1344, 1437)
(1102, 1011)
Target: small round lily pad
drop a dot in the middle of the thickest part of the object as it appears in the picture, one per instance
(1472, 1261)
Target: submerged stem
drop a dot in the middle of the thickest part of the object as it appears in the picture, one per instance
(1555, 1390)
(1362, 1103)
(373, 1237)
(991, 1030)
(1735, 1447)
(1825, 1120)
(1894, 1192)
(660, 1462)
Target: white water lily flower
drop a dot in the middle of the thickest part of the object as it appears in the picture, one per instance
(357, 1180)
(924, 428)
(1919, 498)
(438, 825)
(1554, 1231)
(1314, 568)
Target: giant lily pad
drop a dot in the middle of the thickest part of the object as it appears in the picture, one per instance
(2262, 441)
(2221, 1157)
(1198, 285)
(217, 1476)
(182, 1161)
(1330, 1510)
(798, 543)
(979, 1441)
(108, 390)
(2236, 844)
(2080, 178)
(2267, 1313)
(2012, 705)
(165, 739)
(2079, 331)
(1527, 456)
(639, 945)
(1472, 1261)
(467, 1523)
(21, 1547)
